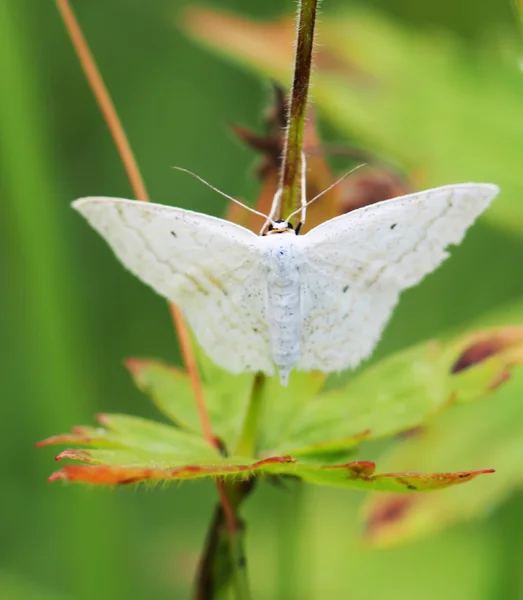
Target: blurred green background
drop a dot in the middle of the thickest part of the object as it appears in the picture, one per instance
(69, 313)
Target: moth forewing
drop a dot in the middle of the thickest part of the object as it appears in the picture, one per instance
(316, 302)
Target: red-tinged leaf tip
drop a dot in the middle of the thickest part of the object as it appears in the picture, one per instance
(57, 475)
(73, 454)
(80, 430)
(102, 475)
(66, 438)
(472, 474)
(486, 345)
(421, 482)
(55, 439)
(103, 419)
(135, 365)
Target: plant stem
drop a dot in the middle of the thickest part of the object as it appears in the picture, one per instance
(239, 562)
(246, 445)
(293, 148)
(223, 564)
(104, 100)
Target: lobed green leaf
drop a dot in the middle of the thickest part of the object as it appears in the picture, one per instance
(404, 390)
(118, 467)
(124, 432)
(170, 390)
(487, 431)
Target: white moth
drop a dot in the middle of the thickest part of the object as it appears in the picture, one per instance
(314, 301)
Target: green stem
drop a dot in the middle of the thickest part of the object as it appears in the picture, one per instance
(246, 445)
(224, 558)
(239, 562)
(223, 566)
(292, 154)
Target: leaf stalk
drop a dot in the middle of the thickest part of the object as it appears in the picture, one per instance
(246, 445)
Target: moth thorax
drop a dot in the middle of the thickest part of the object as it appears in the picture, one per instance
(279, 227)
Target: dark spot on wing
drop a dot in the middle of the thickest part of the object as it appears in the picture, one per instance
(393, 225)
(345, 288)
(255, 330)
(411, 487)
(173, 234)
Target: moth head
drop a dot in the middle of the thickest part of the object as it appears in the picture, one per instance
(279, 227)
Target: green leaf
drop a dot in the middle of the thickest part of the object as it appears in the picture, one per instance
(360, 475)
(282, 405)
(487, 432)
(395, 395)
(118, 467)
(169, 388)
(404, 390)
(132, 450)
(146, 437)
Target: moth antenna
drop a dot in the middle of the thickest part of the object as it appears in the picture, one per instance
(274, 207)
(332, 185)
(260, 214)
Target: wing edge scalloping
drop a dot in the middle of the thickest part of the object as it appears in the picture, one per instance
(221, 228)
(491, 187)
(490, 191)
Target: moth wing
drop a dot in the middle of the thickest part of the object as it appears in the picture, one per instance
(211, 268)
(357, 264)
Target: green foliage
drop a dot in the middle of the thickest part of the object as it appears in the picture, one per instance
(171, 392)
(488, 430)
(69, 312)
(313, 430)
